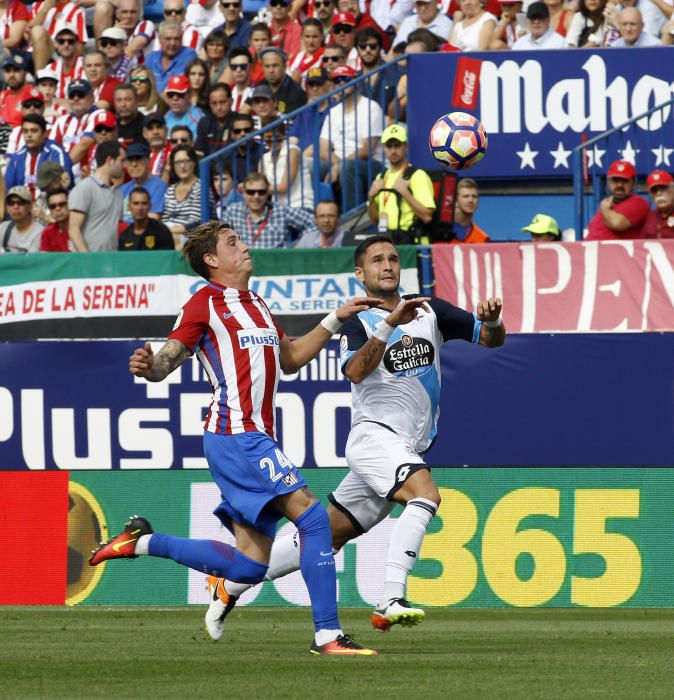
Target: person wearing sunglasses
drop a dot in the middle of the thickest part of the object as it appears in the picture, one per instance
(105, 130)
(364, 19)
(247, 155)
(67, 63)
(263, 224)
(240, 65)
(349, 140)
(289, 95)
(47, 19)
(74, 131)
(235, 27)
(142, 81)
(172, 57)
(14, 77)
(112, 43)
(380, 87)
(21, 233)
(181, 110)
(54, 238)
(213, 129)
(333, 57)
(175, 11)
(344, 35)
(324, 11)
(286, 33)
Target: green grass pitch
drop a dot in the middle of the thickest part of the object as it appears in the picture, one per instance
(165, 653)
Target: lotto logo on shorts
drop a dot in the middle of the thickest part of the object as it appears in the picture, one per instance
(252, 337)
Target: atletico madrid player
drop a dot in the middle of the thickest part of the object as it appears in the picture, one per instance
(242, 350)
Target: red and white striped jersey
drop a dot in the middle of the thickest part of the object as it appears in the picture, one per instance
(158, 160)
(53, 112)
(16, 141)
(66, 12)
(15, 11)
(69, 129)
(65, 78)
(302, 61)
(239, 97)
(146, 29)
(237, 342)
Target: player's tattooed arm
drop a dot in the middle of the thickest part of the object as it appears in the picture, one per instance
(365, 361)
(154, 368)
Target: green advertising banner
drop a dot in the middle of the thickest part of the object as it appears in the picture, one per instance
(502, 537)
(139, 294)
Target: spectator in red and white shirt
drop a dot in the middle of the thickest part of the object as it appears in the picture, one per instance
(344, 34)
(174, 11)
(286, 33)
(14, 17)
(312, 52)
(14, 76)
(31, 103)
(97, 74)
(68, 65)
(141, 32)
(45, 18)
(47, 83)
(240, 64)
(75, 131)
(112, 43)
(155, 133)
(105, 129)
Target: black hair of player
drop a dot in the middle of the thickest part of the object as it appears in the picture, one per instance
(362, 248)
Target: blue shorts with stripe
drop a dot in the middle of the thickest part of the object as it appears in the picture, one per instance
(250, 470)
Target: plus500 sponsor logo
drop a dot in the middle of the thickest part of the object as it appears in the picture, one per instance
(252, 337)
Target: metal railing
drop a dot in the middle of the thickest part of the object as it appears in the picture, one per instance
(305, 171)
(588, 188)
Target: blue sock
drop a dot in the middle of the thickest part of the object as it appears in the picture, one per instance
(318, 566)
(209, 556)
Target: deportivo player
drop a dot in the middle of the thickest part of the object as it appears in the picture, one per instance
(242, 349)
(391, 354)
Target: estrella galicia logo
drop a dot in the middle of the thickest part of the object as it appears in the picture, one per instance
(409, 357)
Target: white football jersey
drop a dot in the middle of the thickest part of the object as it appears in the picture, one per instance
(403, 392)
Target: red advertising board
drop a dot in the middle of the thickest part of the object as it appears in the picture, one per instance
(34, 528)
(564, 287)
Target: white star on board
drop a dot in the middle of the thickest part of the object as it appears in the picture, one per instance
(527, 157)
(561, 156)
(629, 153)
(594, 156)
(662, 155)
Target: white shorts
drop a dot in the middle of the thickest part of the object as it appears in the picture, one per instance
(380, 462)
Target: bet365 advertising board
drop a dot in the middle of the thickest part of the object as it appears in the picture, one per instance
(502, 537)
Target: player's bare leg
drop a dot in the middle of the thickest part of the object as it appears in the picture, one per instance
(421, 499)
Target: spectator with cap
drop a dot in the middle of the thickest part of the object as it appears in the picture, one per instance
(144, 232)
(543, 228)
(311, 53)
(32, 102)
(263, 104)
(660, 222)
(75, 131)
(465, 207)
(14, 77)
(105, 129)
(130, 119)
(213, 128)
(344, 35)
(147, 97)
(235, 27)
(24, 165)
(51, 176)
(21, 234)
(247, 155)
(156, 134)
(622, 214)
(474, 31)
(172, 57)
(263, 224)
(540, 35)
(286, 33)
(55, 238)
(181, 110)
(288, 94)
(241, 66)
(47, 84)
(428, 16)
(96, 71)
(632, 32)
(364, 20)
(402, 195)
(112, 43)
(95, 205)
(68, 64)
(349, 139)
(508, 30)
(45, 18)
(328, 233)
(138, 169)
(302, 129)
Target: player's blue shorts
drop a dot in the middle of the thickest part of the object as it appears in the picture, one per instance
(250, 470)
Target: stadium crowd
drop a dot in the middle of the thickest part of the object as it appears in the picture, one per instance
(104, 116)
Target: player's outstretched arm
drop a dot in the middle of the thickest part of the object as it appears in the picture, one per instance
(365, 361)
(301, 351)
(144, 363)
(493, 332)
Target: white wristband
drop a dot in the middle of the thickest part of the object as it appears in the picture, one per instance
(383, 332)
(493, 324)
(331, 323)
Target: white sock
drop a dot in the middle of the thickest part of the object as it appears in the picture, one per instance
(324, 636)
(143, 545)
(404, 546)
(284, 559)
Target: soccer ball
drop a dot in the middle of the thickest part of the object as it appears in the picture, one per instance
(458, 140)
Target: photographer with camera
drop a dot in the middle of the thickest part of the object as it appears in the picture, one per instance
(401, 200)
